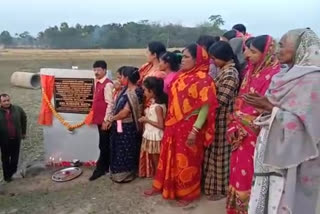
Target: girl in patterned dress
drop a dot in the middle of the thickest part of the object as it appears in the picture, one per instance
(153, 126)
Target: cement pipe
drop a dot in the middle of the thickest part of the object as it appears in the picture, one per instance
(26, 80)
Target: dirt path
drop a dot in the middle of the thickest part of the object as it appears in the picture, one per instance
(41, 195)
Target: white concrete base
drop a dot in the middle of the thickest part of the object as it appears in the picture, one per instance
(63, 145)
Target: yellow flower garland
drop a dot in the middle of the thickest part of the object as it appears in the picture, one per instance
(59, 117)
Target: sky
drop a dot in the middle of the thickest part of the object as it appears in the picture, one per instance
(274, 17)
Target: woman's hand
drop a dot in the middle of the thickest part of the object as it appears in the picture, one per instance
(258, 101)
(233, 136)
(192, 138)
(105, 126)
(143, 120)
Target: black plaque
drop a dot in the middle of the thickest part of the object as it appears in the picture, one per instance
(73, 95)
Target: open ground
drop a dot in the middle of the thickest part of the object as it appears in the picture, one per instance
(39, 194)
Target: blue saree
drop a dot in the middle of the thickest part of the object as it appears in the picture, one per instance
(125, 146)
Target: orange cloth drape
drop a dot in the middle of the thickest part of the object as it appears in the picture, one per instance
(89, 118)
(46, 116)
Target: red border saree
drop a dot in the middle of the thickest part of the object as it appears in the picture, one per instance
(179, 170)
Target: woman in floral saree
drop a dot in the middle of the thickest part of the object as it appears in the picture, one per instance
(242, 133)
(287, 162)
(190, 126)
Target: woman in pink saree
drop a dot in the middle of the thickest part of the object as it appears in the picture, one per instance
(242, 133)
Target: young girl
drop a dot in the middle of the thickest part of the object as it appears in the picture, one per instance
(169, 63)
(153, 126)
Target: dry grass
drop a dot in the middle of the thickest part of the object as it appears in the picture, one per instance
(39, 194)
(12, 60)
(30, 54)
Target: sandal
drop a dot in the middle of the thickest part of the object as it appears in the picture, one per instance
(183, 203)
(151, 192)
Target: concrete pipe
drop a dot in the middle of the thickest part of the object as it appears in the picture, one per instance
(26, 80)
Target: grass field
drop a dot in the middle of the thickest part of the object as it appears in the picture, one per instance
(39, 194)
(33, 60)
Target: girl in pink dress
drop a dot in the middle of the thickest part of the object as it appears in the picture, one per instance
(169, 63)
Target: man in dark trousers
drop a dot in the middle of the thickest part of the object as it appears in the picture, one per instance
(102, 112)
(13, 127)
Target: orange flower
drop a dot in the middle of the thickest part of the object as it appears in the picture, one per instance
(193, 92)
(186, 106)
(187, 174)
(201, 75)
(204, 94)
(59, 117)
(182, 160)
(181, 85)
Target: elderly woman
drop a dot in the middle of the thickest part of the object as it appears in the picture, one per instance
(189, 127)
(287, 163)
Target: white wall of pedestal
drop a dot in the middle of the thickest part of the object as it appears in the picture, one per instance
(59, 143)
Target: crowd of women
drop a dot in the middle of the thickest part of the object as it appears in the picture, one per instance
(235, 117)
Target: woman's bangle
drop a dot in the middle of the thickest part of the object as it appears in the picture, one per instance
(231, 129)
(195, 129)
(110, 119)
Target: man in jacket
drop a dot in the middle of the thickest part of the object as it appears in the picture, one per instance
(13, 127)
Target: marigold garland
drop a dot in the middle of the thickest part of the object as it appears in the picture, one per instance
(69, 126)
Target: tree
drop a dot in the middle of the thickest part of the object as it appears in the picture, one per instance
(26, 39)
(216, 21)
(64, 26)
(115, 35)
(5, 38)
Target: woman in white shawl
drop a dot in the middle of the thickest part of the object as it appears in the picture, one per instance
(287, 162)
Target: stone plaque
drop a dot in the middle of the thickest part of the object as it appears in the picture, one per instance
(82, 144)
(73, 95)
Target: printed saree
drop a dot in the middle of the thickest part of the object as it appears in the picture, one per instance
(287, 162)
(179, 170)
(241, 124)
(125, 146)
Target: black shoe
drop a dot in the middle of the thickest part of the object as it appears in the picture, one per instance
(8, 180)
(96, 174)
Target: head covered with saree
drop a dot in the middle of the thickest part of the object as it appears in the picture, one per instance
(297, 91)
(294, 137)
(258, 75)
(192, 89)
(268, 59)
(256, 80)
(307, 46)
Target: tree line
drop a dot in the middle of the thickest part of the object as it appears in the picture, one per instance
(128, 35)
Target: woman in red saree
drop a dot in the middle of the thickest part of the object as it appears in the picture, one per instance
(189, 127)
(242, 133)
(151, 68)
